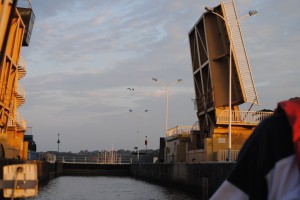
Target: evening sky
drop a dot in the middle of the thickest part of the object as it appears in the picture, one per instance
(84, 54)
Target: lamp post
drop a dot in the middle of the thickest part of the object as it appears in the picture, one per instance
(130, 89)
(250, 13)
(138, 132)
(146, 143)
(166, 88)
(58, 142)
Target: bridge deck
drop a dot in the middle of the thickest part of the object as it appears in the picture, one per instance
(82, 169)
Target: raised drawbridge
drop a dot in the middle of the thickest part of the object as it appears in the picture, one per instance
(215, 41)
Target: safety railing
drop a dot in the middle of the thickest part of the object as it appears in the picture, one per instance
(94, 160)
(243, 117)
(195, 126)
(20, 93)
(179, 130)
(21, 122)
(22, 67)
(222, 155)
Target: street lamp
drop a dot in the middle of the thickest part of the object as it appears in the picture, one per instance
(250, 13)
(58, 142)
(146, 143)
(166, 88)
(130, 89)
(138, 132)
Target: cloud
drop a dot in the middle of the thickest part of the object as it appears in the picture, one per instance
(84, 54)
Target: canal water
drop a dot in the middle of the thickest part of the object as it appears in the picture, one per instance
(107, 188)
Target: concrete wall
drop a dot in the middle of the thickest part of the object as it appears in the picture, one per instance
(45, 170)
(181, 152)
(239, 135)
(201, 178)
(195, 156)
(171, 150)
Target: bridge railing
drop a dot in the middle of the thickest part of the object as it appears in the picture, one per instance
(179, 130)
(222, 155)
(94, 160)
(243, 117)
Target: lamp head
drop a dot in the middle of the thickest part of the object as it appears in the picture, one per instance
(209, 9)
(252, 12)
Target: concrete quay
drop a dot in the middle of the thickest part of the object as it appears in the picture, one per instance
(45, 170)
(201, 178)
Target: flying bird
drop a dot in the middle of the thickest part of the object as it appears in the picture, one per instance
(131, 89)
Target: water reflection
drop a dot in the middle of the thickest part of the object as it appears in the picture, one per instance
(108, 188)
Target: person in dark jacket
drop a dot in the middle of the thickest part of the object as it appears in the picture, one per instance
(268, 165)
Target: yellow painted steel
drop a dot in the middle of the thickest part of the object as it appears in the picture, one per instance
(5, 10)
(12, 143)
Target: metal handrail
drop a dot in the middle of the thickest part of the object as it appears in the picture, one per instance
(243, 117)
(21, 121)
(22, 67)
(94, 159)
(21, 90)
(179, 130)
(22, 62)
(195, 126)
(223, 155)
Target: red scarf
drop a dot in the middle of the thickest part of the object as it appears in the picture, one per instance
(292, 111)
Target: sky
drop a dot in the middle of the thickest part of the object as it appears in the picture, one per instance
(83, 55)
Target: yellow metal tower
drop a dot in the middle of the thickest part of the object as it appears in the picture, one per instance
(15, 23)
